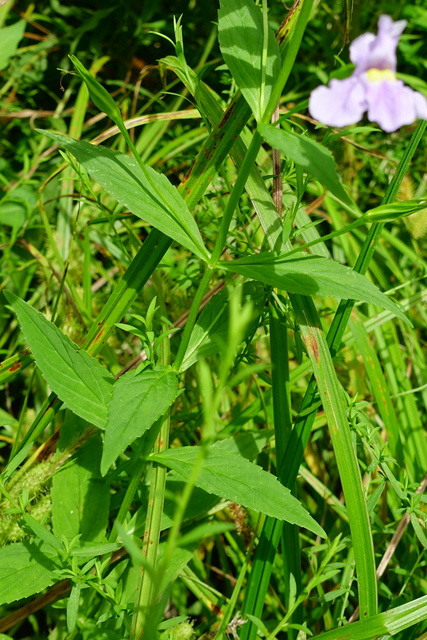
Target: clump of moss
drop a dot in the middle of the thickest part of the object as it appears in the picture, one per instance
(30, 488)
(182, 631)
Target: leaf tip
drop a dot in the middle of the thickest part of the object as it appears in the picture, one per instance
(10, 297)
(13, 299)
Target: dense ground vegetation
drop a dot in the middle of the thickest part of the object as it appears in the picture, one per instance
(191, 347)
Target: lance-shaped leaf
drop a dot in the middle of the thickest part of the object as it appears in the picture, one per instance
(139, 399)
(250, 51)
(77, 379)
(146, 193)
(234, 478)
(383, 625)
(395, 210)
(311, 156)
(98, 93)
(312, 275)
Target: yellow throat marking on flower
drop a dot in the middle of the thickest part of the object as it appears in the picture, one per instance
(378, 75)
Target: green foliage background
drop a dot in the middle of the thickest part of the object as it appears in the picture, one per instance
(65, 243)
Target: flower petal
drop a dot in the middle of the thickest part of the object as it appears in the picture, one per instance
(386, 25)
(359, 51)
(340, 104)
(377, 52)
(420, 105)
(392, 104)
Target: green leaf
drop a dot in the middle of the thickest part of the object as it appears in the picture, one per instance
(247, 444)
(146, 193)
(253, 60)
(394, 210)
(80, 496)
(311, 156)
(311, 275)
(78, 379)
(95, 550)
(234, 478)
(380, 388)
(99, 95)
(9, 39)
(335, 406)
(383, 624)
(41, 532)
(26, 568)
(73, 606)
(139, 399)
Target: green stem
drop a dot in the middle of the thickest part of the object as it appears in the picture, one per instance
(334, 234)
(145, 447)
(192, 317)
(137, 274)
(220, 243)
(147, 589)
(179, 514)
(228, 611)
(282, 430)
(288, 63)
(235, 194)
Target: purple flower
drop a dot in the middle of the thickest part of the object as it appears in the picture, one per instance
(373, 87)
